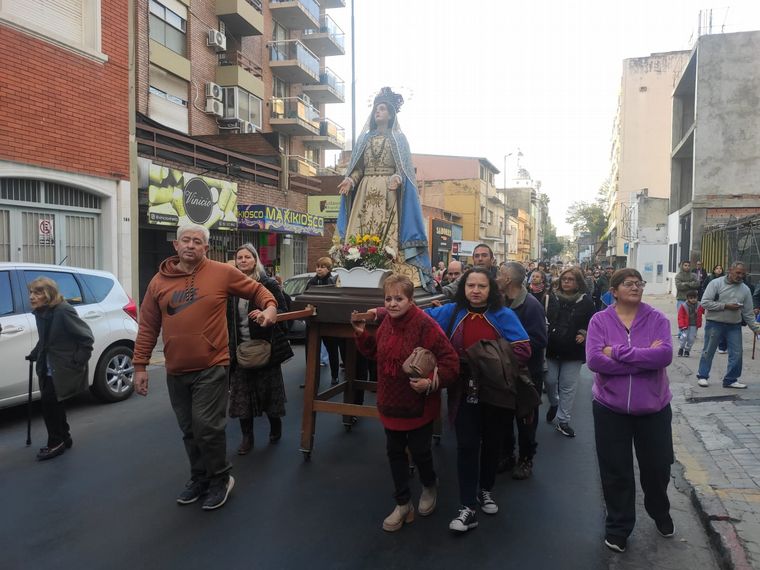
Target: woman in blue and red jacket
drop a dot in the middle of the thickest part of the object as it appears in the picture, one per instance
(478, 313)
(629, 347)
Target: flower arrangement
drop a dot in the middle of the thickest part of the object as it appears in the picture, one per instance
(363, 250)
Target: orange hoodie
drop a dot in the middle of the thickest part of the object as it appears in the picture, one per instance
(190, 310)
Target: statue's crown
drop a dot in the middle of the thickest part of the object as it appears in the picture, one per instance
(388, 97)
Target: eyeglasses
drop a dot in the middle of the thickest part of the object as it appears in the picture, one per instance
(568, 279)
(631, 284)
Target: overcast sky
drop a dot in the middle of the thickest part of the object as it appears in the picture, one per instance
(484, 77)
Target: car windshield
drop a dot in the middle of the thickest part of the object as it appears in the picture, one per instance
(295, 286)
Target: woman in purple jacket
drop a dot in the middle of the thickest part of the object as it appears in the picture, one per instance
(629, 347)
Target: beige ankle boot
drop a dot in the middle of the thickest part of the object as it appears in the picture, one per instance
(400, 515)
(427, 500)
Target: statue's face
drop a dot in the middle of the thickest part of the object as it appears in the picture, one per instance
(382, 115)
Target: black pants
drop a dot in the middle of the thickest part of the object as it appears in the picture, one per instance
(652, 438)
(336, 348)
(418, 441)
(199, 400)
(526, 430)
(480, 435)
(53, 412)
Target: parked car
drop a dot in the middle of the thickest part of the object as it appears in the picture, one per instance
(100, 301)
(293, 287)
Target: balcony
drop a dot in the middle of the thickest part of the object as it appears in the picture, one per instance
(292, 62)
(235, 70)
(330, 89)
(294, 116)
(331, 136)
(327, 4)
(302, 166)
(295, 14)
(241, 17)
(326, 40)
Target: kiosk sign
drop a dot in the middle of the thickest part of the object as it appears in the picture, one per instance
(275, 219)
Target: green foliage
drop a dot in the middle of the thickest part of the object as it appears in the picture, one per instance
(588, 217)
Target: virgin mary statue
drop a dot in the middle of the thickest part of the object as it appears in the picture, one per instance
(379, 194)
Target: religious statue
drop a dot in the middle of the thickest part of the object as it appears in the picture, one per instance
(379, 194)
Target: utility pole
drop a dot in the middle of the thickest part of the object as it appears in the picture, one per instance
(353, 78)
(504, 229)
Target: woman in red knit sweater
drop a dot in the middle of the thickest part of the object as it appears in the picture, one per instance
(407, 406)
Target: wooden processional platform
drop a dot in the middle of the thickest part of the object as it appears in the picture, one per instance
(331, 317)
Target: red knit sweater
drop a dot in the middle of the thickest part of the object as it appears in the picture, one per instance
(400, 407)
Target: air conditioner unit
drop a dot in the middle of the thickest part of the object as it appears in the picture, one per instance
(214, 106)
(217, 40)
(247, 127)
(214, 90)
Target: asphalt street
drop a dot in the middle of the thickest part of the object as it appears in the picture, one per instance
(109, 501)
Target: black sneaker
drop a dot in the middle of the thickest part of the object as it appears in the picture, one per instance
(487, 504)
(465, 520)
(666, 527)
(615, 542)
(551, 413)
(680, 352)
(218, 493)
(565, 429)
(194, 490)
(686, 353)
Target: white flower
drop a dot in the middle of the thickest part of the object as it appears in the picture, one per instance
(390, 251)
(334, 249)
(353, 254)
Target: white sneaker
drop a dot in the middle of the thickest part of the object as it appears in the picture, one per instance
(738, 385)
(703, 382)
(722, 351)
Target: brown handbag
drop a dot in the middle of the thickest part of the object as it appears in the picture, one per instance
(420, 363)
(254, 353)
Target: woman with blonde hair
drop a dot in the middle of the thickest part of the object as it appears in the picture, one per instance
(254, 392)
(61, 353)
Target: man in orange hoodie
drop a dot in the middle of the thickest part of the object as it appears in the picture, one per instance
(187, 301)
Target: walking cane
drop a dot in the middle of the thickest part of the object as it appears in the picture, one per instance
(29, 407)
(754, 343)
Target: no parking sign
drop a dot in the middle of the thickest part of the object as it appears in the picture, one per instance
(46, 232)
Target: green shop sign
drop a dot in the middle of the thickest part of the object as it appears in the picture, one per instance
(176, 198)
(283, 220)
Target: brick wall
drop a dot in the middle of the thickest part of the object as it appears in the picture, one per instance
(61, 110)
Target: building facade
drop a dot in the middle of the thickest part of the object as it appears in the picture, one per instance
(715, 163)
(231, 109)
(64, 134)
(641, 144)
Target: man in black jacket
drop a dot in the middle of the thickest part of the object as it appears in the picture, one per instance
(533, 319)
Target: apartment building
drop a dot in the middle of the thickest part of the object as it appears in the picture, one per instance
(64, 132)
(640, 159)
(232, 100)
(715, 164)
(464, 190)
(523, 194)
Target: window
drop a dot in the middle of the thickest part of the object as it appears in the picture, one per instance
(167, 99)
(71, 23)
(239, 104)
(99, 286)
(490, 217)
(279, 88)
(6, 295)
(168, 25)
(67, 285)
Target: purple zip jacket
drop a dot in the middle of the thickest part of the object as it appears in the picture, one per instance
(634, 380)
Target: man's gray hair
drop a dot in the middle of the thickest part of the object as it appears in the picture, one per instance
(183, 229)
(736, 264)
(514, 270)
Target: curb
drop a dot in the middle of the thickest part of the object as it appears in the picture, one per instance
(713, 514)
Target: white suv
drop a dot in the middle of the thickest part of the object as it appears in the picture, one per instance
(101, 302)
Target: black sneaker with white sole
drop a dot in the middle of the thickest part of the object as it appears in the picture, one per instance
(666, 527)
(218, 493)
(565, 429)
(487, 504)
(615, 542)
(194, 490)
(466, 519)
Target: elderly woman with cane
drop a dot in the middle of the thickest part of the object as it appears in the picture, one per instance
(61, 355)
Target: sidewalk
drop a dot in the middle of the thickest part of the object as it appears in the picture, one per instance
(716, 434)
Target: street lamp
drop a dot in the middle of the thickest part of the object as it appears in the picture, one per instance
(504, 229)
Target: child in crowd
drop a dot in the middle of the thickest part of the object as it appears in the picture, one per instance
(689, 322)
